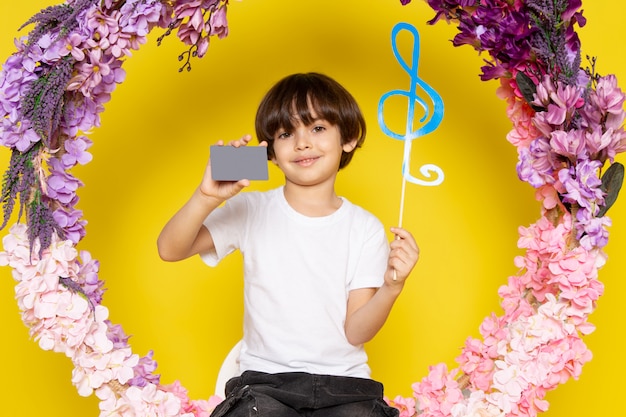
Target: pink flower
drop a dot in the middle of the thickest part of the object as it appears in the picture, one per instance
(548, 196)
(507, 381)
(406, 406)
(198, 408)
(101, 23)
(514, 301)
(191, 14)
(520, 113)
(560, 102)
(570, 144)
(72, 44)
(203, 408)
(139, 401)
(608, 97)
(604, 144)
(437, 393)
(218, 25)
(477, 363)
(97, 362)
(194, 30)
(92, 71)
(531, 403)
(477, 405)
(177, 389)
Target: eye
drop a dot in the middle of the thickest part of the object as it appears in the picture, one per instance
(282, 135)
(318, 128)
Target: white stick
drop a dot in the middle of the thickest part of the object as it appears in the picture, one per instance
(395, 277)
(402, 202)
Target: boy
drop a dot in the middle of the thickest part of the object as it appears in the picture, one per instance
(320, 277)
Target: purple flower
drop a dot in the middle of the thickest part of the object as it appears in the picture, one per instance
(582, 185)
(115, 333)
(53, 50)
(448, 9)
(62, 186)
(139, 17)
(556, 44)
(144, 371)
(592, 231)
(534, 34)
(58, 18)
(71, 223)
(88, 276)
(18, 72)
(18, 134)
(81, 114)
(116, 75)
(76, 152)
(537, 163)
(498, 27)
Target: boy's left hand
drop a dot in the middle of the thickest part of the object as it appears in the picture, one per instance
(403, 256)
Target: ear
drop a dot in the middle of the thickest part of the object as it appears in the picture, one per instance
(349, 146)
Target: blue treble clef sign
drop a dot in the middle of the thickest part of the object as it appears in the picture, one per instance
(427, 124)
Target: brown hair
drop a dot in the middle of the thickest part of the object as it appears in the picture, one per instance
(288, 101)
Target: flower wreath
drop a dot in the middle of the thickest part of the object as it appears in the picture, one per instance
(567, 128)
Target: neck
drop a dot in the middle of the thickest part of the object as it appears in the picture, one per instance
(312, 201)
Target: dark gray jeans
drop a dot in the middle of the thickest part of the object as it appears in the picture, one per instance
(296, 394)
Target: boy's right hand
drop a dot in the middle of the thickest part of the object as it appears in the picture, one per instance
(223, 190)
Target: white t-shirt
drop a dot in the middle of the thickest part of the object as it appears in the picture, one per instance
(298, 271)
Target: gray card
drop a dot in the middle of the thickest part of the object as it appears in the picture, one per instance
(233, 164)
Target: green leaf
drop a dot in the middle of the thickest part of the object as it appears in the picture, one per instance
(611, 184)
(528, 88)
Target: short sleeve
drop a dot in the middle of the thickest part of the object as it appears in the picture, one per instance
(226, 225)
(373, 257)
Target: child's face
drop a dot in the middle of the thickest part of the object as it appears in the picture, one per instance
(310, 154)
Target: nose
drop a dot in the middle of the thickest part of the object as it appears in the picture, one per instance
(303, 141)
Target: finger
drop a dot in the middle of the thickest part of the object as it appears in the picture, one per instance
(400, 255)
(243, 141)
(405, 235)
(401, 268)
(236, 187)
(400, 232)
(404, 254)
(404, 244)
(398, 275)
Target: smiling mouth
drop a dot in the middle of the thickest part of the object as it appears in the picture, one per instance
(306, 161)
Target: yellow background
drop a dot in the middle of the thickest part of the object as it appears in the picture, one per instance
(151, 150)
